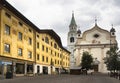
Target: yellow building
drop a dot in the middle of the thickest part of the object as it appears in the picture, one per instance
(17, 40)
(25, 49)
(50, 53)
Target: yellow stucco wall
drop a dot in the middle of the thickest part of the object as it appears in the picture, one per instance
(56, 54)
(59, 56)
(13, 40)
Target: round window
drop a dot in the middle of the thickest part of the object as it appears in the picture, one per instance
(96, 35)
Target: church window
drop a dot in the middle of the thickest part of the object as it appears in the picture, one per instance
(96, 35)
(113, 34)
(72, 39)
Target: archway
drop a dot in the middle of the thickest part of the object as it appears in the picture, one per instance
(96, 65)
(38, 69)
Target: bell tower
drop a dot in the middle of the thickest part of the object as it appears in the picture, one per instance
(71, 38)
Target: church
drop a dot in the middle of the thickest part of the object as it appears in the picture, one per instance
(97, 41)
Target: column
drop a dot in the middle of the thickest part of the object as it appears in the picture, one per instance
(14, 68)
(25, 71)
(102, 61)
(3, 71)
(33, 69)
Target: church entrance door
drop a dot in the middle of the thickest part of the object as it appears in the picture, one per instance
(95, 67)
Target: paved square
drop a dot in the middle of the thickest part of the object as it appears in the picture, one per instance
(95, 78)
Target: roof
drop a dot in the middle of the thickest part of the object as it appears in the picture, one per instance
(79, 31)
(73, 23)
(5, 4)
(112, 30)
(55, 36)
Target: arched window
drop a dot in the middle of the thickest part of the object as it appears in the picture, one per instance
(46, 40)
(72, 39)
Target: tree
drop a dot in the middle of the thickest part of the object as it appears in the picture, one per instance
(86, 61)
(113, 61)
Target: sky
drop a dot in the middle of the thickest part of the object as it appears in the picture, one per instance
(56, 14)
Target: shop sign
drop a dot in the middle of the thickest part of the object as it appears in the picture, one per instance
(5, 63)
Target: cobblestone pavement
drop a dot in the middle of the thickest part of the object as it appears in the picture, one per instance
(95, 78)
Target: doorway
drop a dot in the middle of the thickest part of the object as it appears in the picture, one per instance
(45, 70)
(38, 69)
(95, 67)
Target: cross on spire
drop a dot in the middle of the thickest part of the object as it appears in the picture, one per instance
(95, 20)
(112, 25)
(78, 27)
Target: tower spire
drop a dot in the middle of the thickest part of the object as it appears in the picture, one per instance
(95, 21)
(112, 31)
(112, 25)
(73, 23)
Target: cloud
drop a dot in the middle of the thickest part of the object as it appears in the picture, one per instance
(56, 14)
(116, 3)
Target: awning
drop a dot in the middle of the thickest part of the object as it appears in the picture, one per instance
(75, 67)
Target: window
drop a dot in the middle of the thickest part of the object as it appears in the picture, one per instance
(30, 30)
(38, 56)
(55, 61)
(20, 51)
(46, 49)
(51, 43)
(38, 45)
(42, 39)
(113, 33)
(20, 36)
(55, 45)
(7, 29)
(51, 51)
(7, 48)
(20, 24)
(30, 41)
(37, 36)
(96, 35)
(72, 39)
(8, 15)
(47, 40)
(46, 59)
(43, 58)
(60, 55)
(42, 47)
(29, 54)
(55, 53)
(58, 62)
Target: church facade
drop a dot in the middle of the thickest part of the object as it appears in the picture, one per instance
(97, 42)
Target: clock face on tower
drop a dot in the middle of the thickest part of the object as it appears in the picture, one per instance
(96, 35)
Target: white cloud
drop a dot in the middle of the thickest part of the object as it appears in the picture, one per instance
(56, 14)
